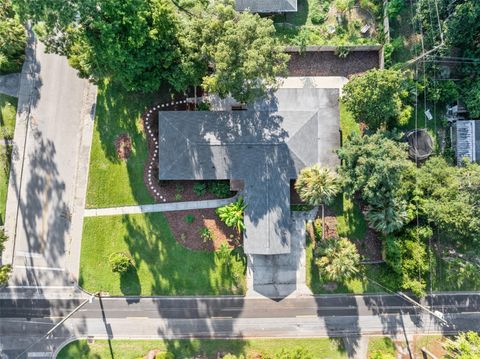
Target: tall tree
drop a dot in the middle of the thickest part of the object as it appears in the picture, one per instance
(449, 198)
(377, 168)
(133, 42)
(12, 39)
(379, 98)
(317, 186)
(338, 259)
(232, 53)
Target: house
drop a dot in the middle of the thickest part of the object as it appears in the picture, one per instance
(264, 147)
(266, 6)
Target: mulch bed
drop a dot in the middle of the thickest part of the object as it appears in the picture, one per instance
(188, 234)
(326, 63)
(123, 146)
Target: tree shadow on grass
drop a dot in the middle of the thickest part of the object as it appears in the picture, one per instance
(130, 282)
(173, 269)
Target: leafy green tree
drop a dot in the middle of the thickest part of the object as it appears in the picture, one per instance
(471, 95)
(465, 346)
(5, 271)
(338, 259)
(133, 42)
(232, 214)
(12, 39)
(449, 198)
(377, 168)
(379, 98)
(407, 255)
(120, 262)
(232, 53)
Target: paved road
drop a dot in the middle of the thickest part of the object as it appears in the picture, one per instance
(48, 178)
(229, 317)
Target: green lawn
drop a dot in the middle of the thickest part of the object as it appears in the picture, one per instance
(348, 125)
(207, 348)
(162, 266)
(113, 182)
(383, 345)
(8, 111)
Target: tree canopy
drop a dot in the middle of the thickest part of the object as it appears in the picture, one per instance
(337, 259)
(377, 168)
(12, 39)
(449, 198)
(233, 53)
(464, 346)
(144, 44)
(317, 185)
(379, 98)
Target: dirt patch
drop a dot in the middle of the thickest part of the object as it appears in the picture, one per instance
(187, 232)
(123, 146)
(326, 63)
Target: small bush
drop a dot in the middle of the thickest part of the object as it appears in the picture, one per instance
(3, 239)
(178, 197)
(319, 12)
(119, 262)
(200, 188)
(189, 218)
(220, 189)
(342, 51)
(179, 188)
(5, 271)
(203, 106)
(206, 234)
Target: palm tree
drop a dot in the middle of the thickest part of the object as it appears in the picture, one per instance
(318, 186)
(388, 217)
(232, 214)
(338, 259)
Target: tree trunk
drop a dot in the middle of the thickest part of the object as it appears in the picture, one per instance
(323, 222)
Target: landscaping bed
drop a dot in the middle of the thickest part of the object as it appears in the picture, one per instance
(327, 63)
(190, 226)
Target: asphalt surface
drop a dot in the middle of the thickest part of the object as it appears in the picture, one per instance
(228, 317)
(42, 214)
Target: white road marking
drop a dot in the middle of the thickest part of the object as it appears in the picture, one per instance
(39, 355)
(28, 254)
(41, 268)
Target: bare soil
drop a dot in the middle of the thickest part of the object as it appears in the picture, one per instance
(326, 63)
(188, 234)
(123, 146)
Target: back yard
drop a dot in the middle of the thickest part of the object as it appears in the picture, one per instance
(331, 22)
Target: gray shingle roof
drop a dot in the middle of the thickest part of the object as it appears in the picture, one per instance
(265, 146)
(266, 6)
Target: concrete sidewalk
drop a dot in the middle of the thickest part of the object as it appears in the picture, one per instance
(159, 207)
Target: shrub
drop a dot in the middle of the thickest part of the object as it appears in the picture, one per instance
(342, 51)
(206, 234)
(5, 271)
(232, 214)
(120, 262)
(203, 106)
(189, 218)
(319, 12)
(200, 188)
(3, 239)
(220, 189)
(178, 197)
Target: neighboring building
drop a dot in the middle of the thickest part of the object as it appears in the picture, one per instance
(266, 6)
(465, 134)
(466, 140)
(263, 147)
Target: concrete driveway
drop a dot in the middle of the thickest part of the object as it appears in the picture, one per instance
(49, 171)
